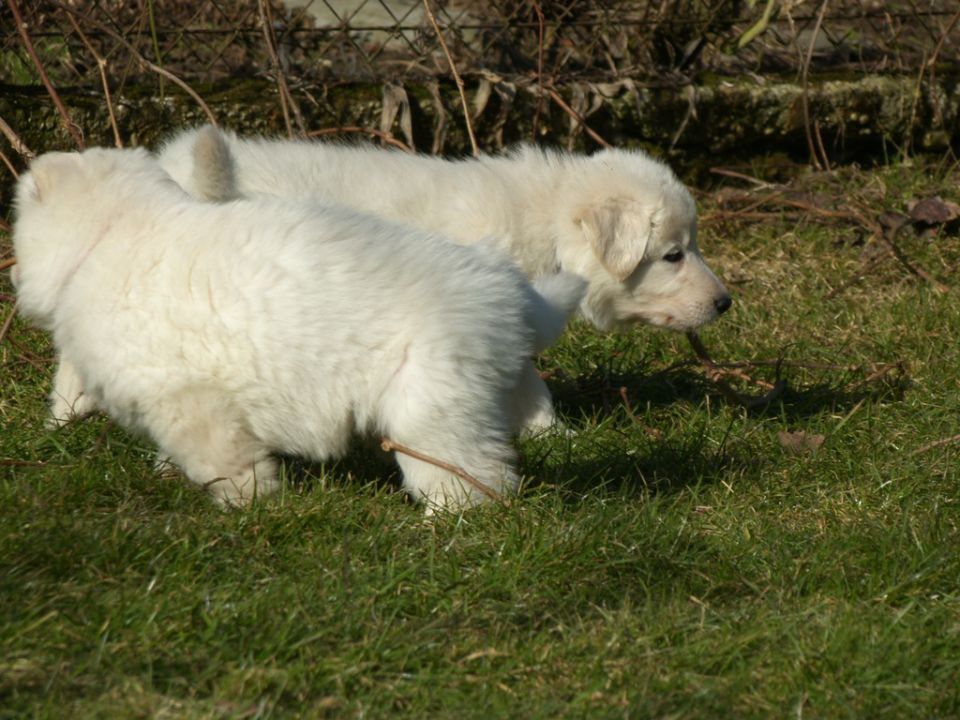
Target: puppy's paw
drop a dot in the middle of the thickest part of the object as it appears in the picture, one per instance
(239, 491)
(557, 428)
(63, 411)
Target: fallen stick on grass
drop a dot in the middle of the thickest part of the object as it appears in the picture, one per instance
(716, 374)
(387, 445)
(8, 322)
(935, 444)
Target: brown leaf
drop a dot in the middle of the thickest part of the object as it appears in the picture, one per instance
(800, 441)
(933, 211)
(893, 220)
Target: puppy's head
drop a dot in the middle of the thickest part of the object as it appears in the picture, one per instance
(62, 205)
(633, 234)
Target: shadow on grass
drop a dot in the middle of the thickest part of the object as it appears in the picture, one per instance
(601, 394)
(363, 465)
(615, 468)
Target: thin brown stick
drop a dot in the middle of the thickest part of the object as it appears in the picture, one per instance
(652, 432)
(456, 77)
(716, 373)
(9, 321)
(804, 97)
(889, 241)
(9, 262)
(936, 51)
(102, 67)
(739, 176)
(928, 64)
(860, 216)
(385, 136)
(10, 167)
(935, 444)
(13, 462)
(15, 142)
(138, 56)
(28, 44)
(25, 354)
(535, 126)
(287, 103)
(823, 150)
(387, 445)
(555, 96)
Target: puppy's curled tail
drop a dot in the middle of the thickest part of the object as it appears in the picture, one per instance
(557, 296)
(214, 177)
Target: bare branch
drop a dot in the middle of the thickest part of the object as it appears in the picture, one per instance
(456, 77)
(28, 44)
(138, 56)
(15, 142)
(287, 103)
(8, 322)
(102, 67)
(387, 445)
(716, 374)
(385, 136)
(576, 116)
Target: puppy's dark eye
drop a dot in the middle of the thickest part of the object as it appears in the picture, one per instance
(674, 256)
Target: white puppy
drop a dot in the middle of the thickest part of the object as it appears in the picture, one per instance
(229, 332)
(617, 218)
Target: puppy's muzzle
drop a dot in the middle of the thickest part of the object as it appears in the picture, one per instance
(722, 304)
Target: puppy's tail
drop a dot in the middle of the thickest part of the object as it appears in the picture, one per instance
(557, 298)
(214, 177)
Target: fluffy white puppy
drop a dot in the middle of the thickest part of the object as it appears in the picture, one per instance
(232, 331)
(617, 218)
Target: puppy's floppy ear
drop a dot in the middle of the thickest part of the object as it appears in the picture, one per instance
(618, 232)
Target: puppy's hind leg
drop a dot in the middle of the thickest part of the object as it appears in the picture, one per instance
(458, 426)
(204, 433)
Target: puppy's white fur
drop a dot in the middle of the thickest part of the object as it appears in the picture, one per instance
(229, 332)
(617, 218)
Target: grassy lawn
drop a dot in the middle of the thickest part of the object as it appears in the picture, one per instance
(676, 555)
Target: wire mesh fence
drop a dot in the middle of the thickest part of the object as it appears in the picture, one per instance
(652, 42)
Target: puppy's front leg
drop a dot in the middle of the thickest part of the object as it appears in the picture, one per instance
(68, 400)
(201, 430)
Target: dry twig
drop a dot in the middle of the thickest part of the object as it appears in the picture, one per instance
(8, 322)
(102, 67)
(387, 445)
(385, 136)
(851, 213)
(652, 432)
(10, 167)
(456, 78)
(555, 96)
(535, 126)
(935, 444)
(28, 44)
(287, 101)
(138, 56)
(716, 373)
(739, 176)
(15, 142)
(821, 163)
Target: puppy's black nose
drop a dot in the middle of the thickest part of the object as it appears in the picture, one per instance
(722, 304)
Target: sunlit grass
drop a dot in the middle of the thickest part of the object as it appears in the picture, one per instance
(668, 557)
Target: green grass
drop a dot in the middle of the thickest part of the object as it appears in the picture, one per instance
(673, 560)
